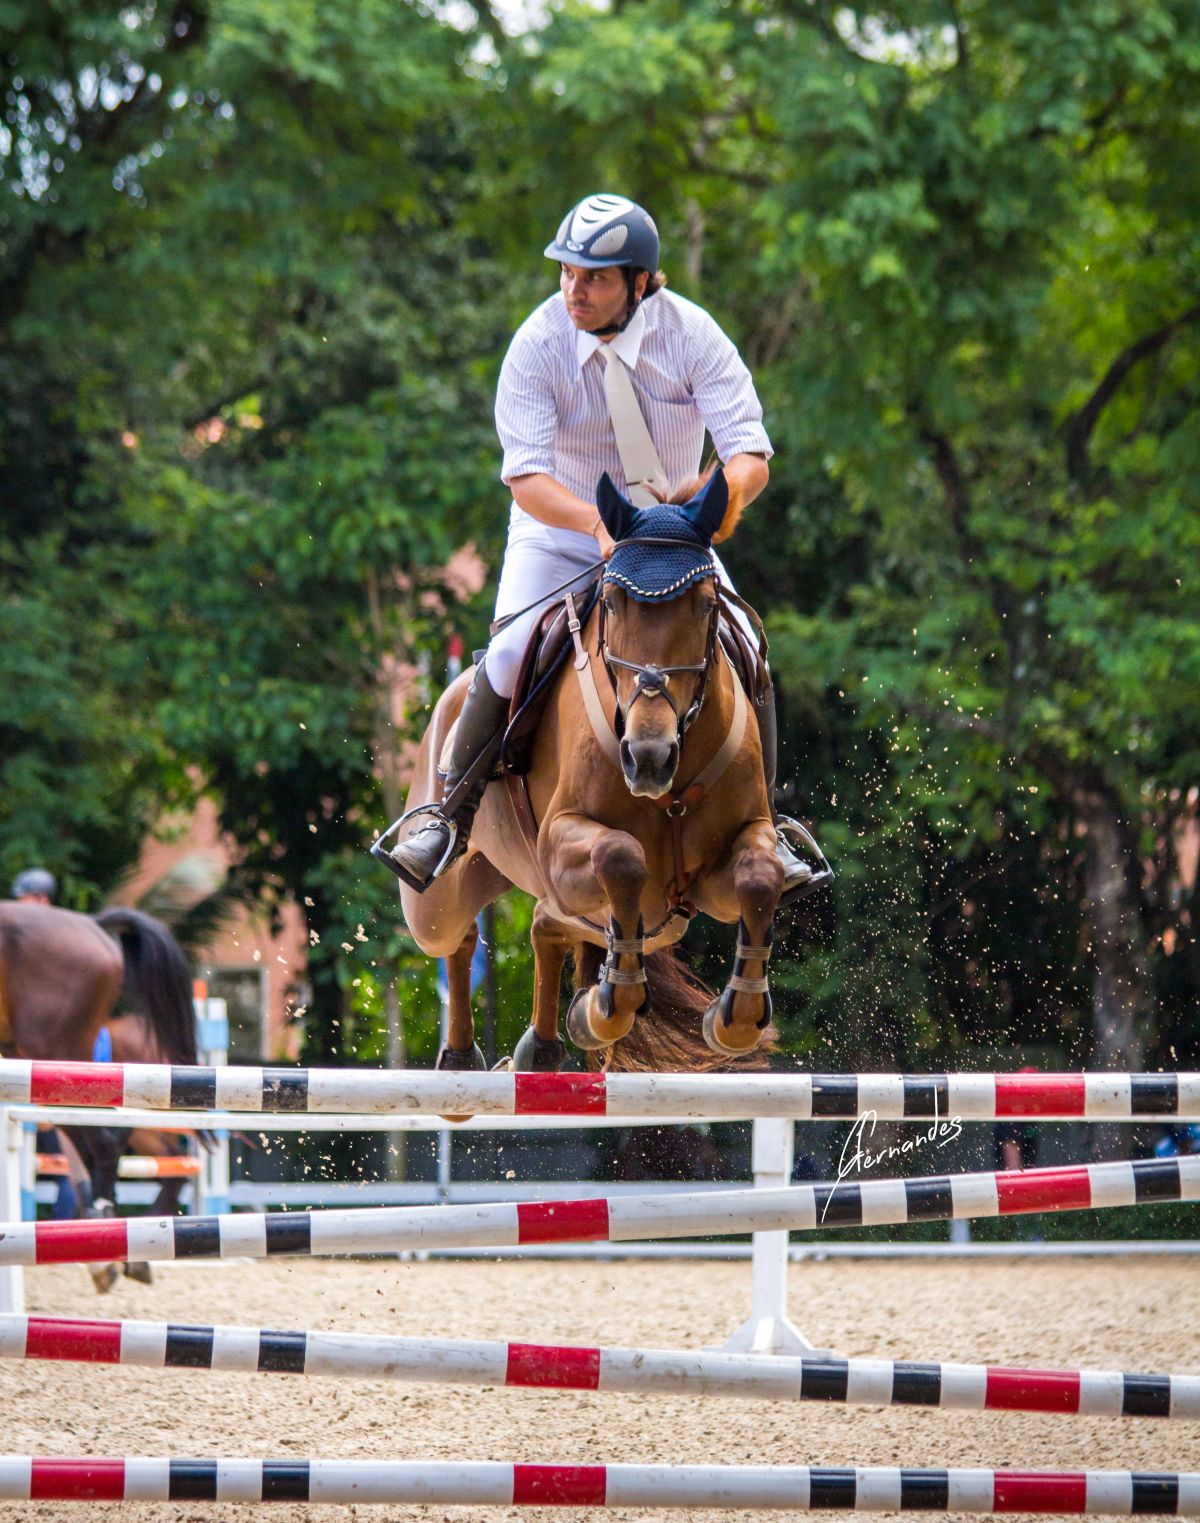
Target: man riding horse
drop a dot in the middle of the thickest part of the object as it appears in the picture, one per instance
(600, 379)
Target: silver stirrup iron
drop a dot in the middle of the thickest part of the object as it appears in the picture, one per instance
(380, 850)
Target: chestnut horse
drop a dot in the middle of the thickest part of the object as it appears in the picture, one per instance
(60, 976)
(649, 803)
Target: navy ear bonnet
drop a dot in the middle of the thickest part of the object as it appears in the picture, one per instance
(654, 573)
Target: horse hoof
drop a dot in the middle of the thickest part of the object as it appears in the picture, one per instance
(104, 1277)
(451, 1061)
(578, 1028)
(579, 1023)
(729, 1040)
(534, 1055)
(140, 1271)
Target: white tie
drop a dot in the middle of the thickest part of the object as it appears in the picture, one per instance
(639, 459)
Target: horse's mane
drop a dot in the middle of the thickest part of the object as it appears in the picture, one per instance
(688, 489)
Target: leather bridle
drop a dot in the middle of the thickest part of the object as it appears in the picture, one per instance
(653, 681)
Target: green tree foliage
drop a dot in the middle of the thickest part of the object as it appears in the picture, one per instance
(956, 243)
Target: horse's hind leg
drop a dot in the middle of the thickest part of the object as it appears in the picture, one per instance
(737, 1020)
(541, 1049)
(100, 1149)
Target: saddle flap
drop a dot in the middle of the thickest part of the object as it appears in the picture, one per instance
(742, 657)
(545, 653)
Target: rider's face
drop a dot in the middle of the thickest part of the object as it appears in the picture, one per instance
(595, 298)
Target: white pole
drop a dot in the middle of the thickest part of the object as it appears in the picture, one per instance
(211, 1187)
(28, 1171)
(12, 1281)
(445, 1138)
(768, 1330)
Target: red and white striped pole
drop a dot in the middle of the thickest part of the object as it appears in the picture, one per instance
(634, 1218)
(492, 1484)
(710, 1097)
(458, 1361)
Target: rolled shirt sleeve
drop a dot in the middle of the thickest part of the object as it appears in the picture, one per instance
(526, 413)
(724, 393)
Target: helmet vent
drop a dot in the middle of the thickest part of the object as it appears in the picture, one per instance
(611, 242)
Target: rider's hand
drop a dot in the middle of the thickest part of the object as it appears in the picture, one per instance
(604, 539)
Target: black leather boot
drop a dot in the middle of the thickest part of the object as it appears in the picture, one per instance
(483, 716)
(797, 874)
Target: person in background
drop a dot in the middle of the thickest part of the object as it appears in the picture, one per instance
(35, 886)
(1178, 1141)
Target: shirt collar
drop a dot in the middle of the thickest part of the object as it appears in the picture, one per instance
(627, 345)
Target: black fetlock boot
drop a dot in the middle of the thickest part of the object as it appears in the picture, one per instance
(798, 876)
(419, 858)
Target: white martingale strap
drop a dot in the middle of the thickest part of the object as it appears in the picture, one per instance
(639, 458)
(732, 743)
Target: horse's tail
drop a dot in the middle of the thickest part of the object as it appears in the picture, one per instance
(670, 1038)
(157, 981)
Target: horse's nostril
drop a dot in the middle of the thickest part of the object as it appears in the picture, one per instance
(649, 764)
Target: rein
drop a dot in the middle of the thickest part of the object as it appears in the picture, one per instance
(634, 539)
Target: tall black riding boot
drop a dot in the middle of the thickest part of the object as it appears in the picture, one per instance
(797, 874)
(483, 715)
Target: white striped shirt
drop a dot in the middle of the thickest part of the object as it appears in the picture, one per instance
(552, 416)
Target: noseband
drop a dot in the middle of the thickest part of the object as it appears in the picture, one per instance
(653, 681)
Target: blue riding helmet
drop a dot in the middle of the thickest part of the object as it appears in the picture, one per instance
(34, 880)
(604, 230)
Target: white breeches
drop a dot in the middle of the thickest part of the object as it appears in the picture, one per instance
(536, 561)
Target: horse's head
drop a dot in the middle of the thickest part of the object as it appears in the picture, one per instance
(658, 623)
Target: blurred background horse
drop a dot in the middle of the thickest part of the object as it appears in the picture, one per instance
(61, 976)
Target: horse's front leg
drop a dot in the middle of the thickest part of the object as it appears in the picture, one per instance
(460, 1050)
(736, 1021)
(589, 862)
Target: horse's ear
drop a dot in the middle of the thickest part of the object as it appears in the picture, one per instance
(707, 509)
(617, 513)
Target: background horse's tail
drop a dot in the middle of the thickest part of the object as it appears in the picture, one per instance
(670, 1037)
(157, 982)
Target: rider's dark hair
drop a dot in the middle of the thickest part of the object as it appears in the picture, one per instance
(655, 282)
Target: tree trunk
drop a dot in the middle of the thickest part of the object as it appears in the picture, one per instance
(1122, 1004)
